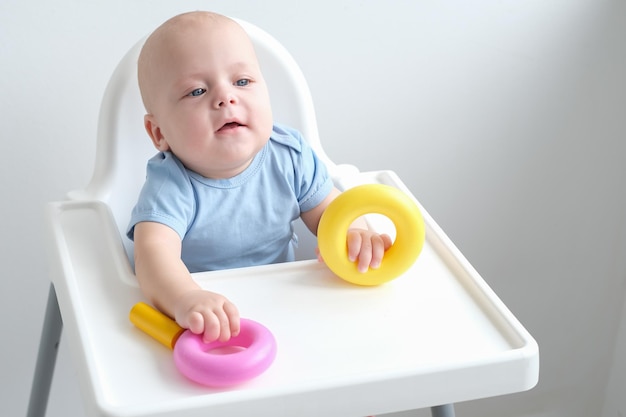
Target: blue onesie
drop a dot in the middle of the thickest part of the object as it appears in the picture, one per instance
(241, 221)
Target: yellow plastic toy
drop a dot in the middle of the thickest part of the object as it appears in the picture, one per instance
(361, 200)
(156, 324)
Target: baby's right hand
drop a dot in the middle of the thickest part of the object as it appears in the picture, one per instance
(207, 313)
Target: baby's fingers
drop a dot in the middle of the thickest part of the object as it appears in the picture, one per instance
(211, 326)
(369, 248)
(379, 245)
(386, 240)
(195, 322)
(216, 326)
(366, 255)
(354, 242)
(221, 324)
(233, 319)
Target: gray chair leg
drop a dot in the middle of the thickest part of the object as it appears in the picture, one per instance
(46, 358)
(446, 410)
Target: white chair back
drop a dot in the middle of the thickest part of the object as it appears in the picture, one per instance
(123, 146)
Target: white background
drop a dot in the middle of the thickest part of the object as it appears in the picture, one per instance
(506, 118)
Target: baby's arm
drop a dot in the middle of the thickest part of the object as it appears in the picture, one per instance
(365, 245)
(166, 282)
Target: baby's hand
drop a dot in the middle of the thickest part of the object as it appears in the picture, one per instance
(368, 247)
(207, 313)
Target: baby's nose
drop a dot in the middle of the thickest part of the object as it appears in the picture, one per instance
(224, 97)
(225, 102)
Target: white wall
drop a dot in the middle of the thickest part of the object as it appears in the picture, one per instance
(506, 118)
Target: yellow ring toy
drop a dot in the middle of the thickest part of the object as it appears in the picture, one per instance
(366, 199)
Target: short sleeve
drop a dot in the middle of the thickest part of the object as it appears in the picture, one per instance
(312, 183)
(166, 197)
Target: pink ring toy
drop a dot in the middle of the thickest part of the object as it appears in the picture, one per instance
(195, 359)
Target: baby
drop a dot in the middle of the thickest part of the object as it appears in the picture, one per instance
(227, 182)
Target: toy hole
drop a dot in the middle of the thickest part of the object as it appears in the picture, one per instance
(235, 345)
(381, 224)
(226, 350)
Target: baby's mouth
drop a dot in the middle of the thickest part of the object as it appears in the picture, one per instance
(230, 125)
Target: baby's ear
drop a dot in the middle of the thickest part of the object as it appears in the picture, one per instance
(154, 131)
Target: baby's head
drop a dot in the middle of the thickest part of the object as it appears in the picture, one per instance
(204, 93)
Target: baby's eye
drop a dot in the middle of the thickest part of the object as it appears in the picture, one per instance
(242, 83)
(197, 92)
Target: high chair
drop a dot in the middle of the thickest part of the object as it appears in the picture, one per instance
(434, 336)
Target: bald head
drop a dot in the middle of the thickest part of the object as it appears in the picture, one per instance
(163, 46)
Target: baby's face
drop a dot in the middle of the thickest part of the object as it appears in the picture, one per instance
(209, 102)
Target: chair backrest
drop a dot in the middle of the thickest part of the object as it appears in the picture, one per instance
(123, 147)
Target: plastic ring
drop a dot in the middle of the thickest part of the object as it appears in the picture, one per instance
(195, 360)
(356, 202)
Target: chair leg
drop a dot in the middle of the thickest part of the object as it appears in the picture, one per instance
(46, 358)
(446, 410)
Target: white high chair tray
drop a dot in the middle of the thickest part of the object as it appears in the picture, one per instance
(435, 335)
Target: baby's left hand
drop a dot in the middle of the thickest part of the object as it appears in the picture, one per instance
(366, 246)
